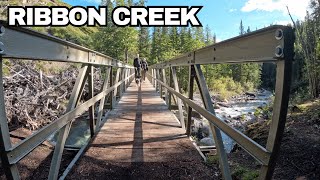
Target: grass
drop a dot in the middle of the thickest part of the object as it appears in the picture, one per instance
(244, 173)
(212, 160)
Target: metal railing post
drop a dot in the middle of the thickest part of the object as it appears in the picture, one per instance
(170, 94)
(159, 85)
(121, 89)
(10, 170)
(179, 103)
(192, 74)
(102, 104)
(164, 79)
(280, 106)
(91, 94)
(63, 133)
(206, 98)
(115, 92)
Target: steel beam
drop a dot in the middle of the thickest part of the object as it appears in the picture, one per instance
(122, 86)
(101, 104)
(10, 170)
(164, 80)
(192, 74)
(91, 94)
(115, 92)
(170, 94)
(64, 132)
(257, 46)
(159, 85)
(111, 97)
(176, 87)
(17, 44)
(280, 107)
(206, 99)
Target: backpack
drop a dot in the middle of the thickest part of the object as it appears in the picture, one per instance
(144, 65)
(136, 62)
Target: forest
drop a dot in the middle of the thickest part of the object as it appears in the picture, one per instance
(158, 44)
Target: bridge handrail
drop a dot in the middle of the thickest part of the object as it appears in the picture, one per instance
(25, 43)
(257, 46)
(273, 44)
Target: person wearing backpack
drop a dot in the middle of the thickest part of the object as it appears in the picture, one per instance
(137, 68)
(144, 67)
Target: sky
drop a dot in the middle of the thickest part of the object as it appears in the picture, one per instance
(224, 16)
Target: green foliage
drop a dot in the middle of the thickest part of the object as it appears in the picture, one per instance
(265, 111)
(6, 67)
(245, 174)
(212, 160)
(78, 35)
(226, 87)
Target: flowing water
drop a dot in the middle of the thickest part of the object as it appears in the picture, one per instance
(243, 107)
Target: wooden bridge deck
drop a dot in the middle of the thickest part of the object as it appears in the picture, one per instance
(142, 139)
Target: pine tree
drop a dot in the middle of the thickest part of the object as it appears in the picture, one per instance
(209, 38)
(144, 42)
(241, 28)
(248, 30)
(119, 41)
(155, 45)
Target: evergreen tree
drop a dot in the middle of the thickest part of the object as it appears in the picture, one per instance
(209, 38)
(248, 30)
(241, 29)
(119, 41)
(155, 45)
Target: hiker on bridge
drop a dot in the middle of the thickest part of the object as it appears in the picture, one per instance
(137, 68)
(144, 65)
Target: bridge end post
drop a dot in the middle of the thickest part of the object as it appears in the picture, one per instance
(280, 106)
(10, 170)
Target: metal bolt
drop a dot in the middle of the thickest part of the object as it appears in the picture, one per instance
(279, 34)
(1, 47)
(279, 51)
(2, 30)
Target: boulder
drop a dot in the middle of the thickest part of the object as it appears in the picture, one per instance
(223, 104)
(207, 141)
(250, 94)
(195, 114)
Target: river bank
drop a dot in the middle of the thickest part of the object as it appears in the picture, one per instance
(238, 112)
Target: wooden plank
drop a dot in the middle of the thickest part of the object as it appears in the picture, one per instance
(142, 134)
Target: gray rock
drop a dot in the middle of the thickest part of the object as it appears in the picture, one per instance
(196, 114)
(205, 131)
(207, 141)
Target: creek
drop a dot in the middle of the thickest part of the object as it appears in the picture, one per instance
(237, 112)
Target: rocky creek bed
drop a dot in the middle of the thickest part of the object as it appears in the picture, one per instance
(238, 112)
